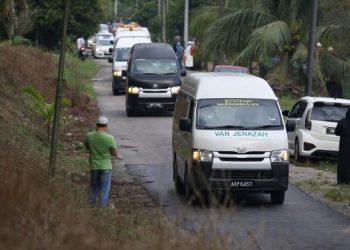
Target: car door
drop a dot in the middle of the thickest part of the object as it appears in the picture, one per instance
(294, 122)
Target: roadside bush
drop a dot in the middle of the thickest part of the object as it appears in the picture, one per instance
(20, 40)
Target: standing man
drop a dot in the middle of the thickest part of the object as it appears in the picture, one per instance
(343, 168)
(101, 147)
(189, 56)
(178, 50)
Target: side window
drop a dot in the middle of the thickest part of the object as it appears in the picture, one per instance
(301, 109)
(180, 109)
(294, 111)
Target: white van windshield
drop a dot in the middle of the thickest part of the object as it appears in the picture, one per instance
(122, 54)
(239, 114)
(154, 67)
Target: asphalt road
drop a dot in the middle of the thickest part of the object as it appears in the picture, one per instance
(251, 222)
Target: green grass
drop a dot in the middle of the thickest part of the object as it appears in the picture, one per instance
(286, 102)
(318, 164)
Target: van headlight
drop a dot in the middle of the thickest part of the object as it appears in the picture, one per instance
(202, 155)
(117, 73)
(279, 156)
(133, 90)
(175, 90)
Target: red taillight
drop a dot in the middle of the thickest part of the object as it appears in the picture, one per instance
(308, 123)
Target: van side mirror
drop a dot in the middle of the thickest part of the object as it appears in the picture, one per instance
(185, 124)
(183, 72)
(111, 42)
(110, 50)
(285, 112)
(110, 59)
(125, 73)
(290, 126)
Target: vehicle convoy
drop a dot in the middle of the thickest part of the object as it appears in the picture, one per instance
(119, 60)
(153, 78)
(310, 126)
(228, 135)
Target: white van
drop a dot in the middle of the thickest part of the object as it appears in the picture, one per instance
(127, 32)
(228, 134)
(119, 60)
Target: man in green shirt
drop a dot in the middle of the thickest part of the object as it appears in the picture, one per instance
(101, 147)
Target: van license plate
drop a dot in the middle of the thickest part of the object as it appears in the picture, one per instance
(154, 105)
(241, 184)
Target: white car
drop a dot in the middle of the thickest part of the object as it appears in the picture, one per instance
(311, 124)
(102, 48)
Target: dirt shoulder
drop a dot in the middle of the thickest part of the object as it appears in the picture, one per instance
(322, 185)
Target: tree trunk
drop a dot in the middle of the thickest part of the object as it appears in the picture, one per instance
(9, 17)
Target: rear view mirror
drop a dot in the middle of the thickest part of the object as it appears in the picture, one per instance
(290, 126)
(185, 124)
(285, 112)
(183, 72)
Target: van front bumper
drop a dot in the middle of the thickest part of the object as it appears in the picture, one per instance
(275, 179)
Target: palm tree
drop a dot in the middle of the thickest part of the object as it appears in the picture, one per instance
(276, 30)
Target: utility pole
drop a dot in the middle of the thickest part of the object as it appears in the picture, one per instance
(115, 9)
(311, 48)
(164, 20)
(56, 119)
(186, 23)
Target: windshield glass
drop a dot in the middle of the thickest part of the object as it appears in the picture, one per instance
(328, 113)
(238, 114)
(228, 69)
(154, 66)
(104, 42)
(122, 54)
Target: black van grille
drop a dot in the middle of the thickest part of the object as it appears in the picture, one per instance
(240, 174)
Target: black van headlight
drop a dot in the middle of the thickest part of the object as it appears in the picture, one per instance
(202, 155)
(133, 90)
(279, 156)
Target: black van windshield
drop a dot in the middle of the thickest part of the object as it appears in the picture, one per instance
(238, 114)
(154, 66)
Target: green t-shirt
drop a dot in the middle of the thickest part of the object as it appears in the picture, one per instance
(99, 145)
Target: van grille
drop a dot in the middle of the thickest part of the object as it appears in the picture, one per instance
(241, 159)
(235, 153)
(240, 174)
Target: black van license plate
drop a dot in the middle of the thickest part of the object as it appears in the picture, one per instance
(242, 184)
(154, 105)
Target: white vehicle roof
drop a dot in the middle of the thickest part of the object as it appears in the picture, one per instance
(128, 42)
(312, 99)
(226, 85)
(137, 31)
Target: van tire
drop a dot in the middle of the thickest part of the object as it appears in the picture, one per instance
(297, 156)
(188, 188)
(179, 186)
(277, 197)
(129, 111)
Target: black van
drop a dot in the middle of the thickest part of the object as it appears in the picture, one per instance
(153, 78)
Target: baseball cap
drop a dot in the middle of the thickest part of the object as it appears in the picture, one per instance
(102, 120)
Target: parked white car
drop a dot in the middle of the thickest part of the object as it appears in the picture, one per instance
(102, 48)
(311, 124)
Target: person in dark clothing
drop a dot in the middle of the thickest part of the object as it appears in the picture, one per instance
(343, 168)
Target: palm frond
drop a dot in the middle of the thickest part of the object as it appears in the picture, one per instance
(300, 54)
(232, 31)
(334, 67)
(33, 93)
(245, 57)
(270, 40)
(326, 34)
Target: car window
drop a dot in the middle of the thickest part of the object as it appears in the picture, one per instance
(238, 113)
(329, 113)
(298, 109)
(154, 66)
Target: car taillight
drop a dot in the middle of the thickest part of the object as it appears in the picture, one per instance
(308, 123)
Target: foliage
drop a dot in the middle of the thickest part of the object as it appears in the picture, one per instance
(43, 109)
(20, 40)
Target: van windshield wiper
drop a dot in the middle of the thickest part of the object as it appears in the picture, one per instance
(224, 127)
(263, 127)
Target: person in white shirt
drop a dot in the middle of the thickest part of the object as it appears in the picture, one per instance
(80, 43)
(188, 58)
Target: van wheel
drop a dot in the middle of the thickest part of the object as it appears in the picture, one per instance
(115, 91)
(129, 111)
(179, 186)
(188, 188)
(277, 197)
(297, 156)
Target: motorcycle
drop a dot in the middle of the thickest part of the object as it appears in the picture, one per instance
(82, 54)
